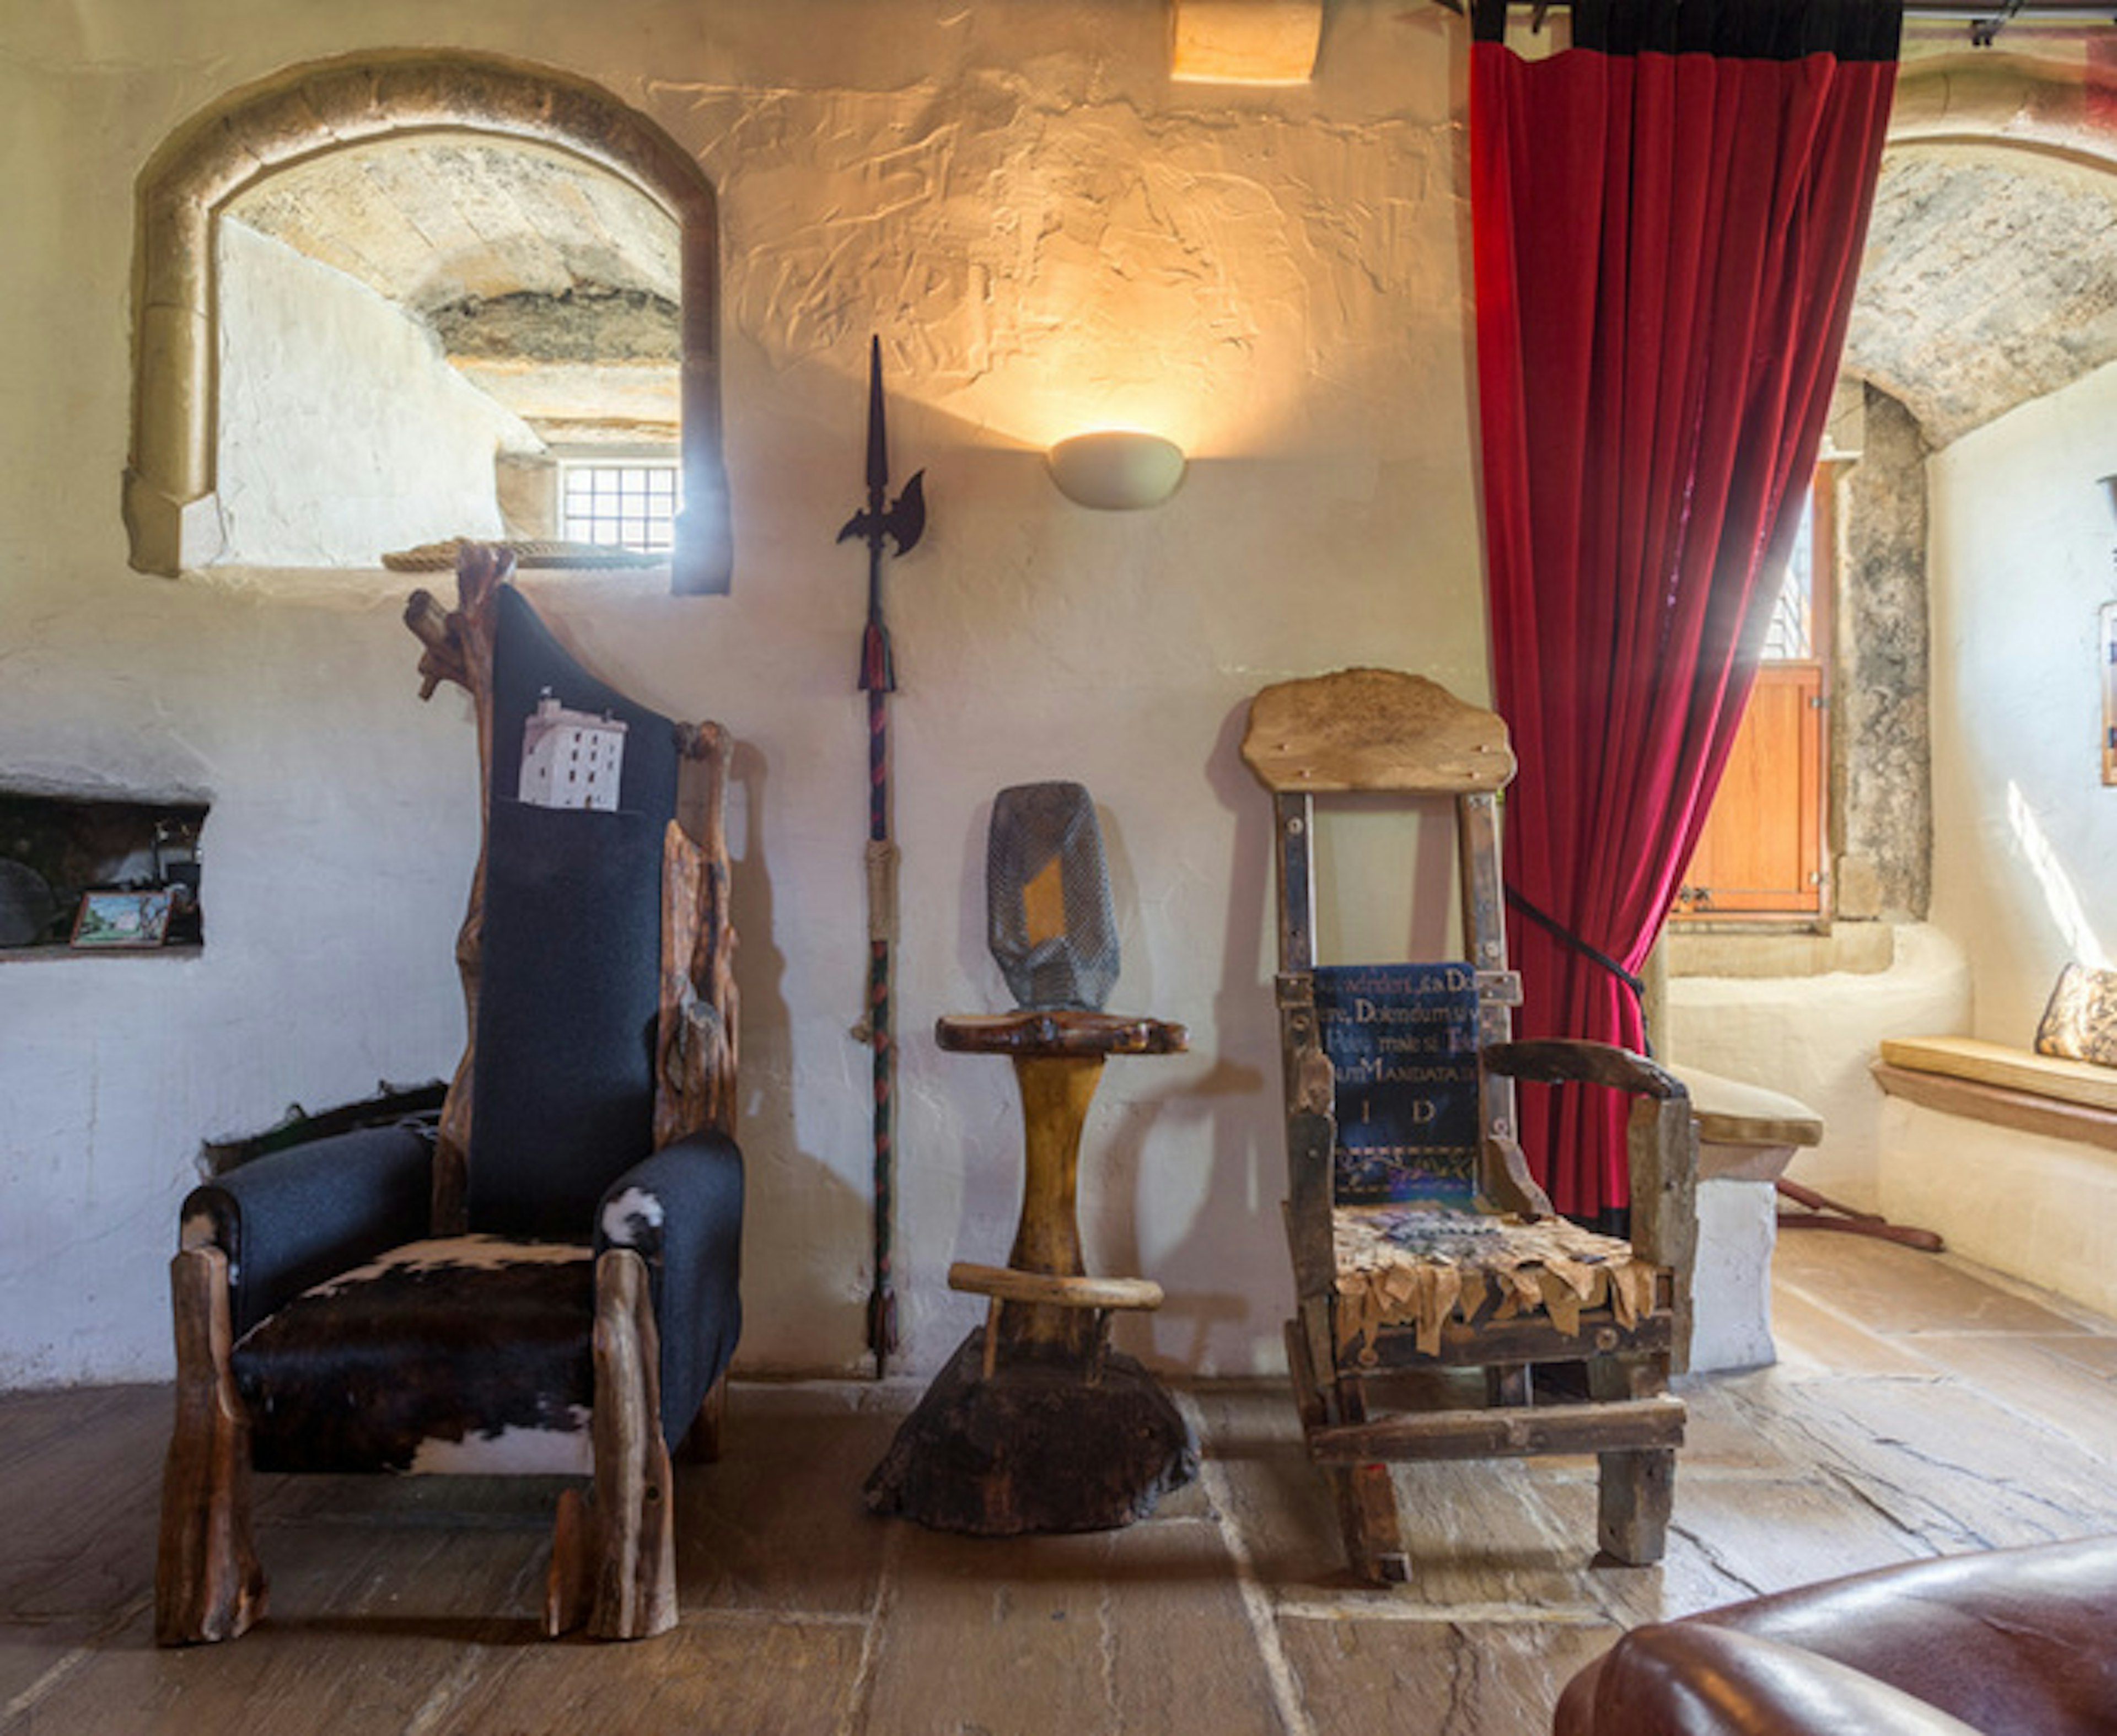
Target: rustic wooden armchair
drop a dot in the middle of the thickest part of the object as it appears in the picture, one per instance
(550, 1285)
(1422, 1252)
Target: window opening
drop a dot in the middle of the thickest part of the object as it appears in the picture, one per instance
(1761, 856)
(1791, 636)
(628, 504)
(382, 120)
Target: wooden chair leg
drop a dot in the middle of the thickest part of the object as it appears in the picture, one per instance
(702, 1442)
(208, 1582)
(1365, 1496)
(1308, 1397)
(614, 1557)
(1367, 1517)
(570, 1579)
(1367, 1503)
(1636, 1494)
(636, 1579)
(1636, 1488)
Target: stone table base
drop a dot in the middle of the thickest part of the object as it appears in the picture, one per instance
(1037, 1448)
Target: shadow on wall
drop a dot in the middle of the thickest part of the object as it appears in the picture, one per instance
(1148, 1115)
(1237, 1228)
(805, 1229)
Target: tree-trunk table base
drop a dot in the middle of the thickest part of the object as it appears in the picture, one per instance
(1037, 1448)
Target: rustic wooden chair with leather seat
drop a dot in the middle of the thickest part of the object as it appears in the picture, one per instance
(550, 1286)
(1423, 1254)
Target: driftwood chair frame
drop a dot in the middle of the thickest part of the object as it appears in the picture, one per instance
(1370, 729)
(613, 1561)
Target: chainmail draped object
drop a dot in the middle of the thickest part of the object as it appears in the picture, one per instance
(1048, 897)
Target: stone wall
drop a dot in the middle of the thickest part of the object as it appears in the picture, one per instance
(1882, 807)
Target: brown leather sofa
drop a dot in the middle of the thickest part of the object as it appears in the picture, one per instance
(2012, 1642)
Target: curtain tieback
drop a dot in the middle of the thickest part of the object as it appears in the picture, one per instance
(1589, 950)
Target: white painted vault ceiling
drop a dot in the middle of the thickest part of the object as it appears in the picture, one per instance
(549, 283)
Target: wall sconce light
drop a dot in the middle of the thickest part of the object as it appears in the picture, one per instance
(2108, 485)
(1116, 469)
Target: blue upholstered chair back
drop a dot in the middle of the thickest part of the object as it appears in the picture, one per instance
(563, 1086)
(1402, 1041)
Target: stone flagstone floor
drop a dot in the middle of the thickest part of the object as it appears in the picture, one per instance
(1957, 1413)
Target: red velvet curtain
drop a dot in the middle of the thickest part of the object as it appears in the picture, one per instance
(1667, 221)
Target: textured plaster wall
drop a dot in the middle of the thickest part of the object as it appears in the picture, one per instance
(1048, 234)
(2025, 832)
(344, 432)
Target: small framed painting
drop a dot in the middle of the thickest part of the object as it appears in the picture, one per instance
(122, 919)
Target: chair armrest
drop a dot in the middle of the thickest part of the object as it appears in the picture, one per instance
(1691, 1680)
(1560, 1060)
(681, 1211)
(1660, 1143)
(296, 1217)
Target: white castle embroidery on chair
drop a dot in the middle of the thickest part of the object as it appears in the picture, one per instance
(571, 759)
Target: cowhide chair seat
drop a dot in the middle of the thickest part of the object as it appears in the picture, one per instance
(478, 1359)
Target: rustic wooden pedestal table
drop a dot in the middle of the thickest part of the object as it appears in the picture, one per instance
(1036, 1424)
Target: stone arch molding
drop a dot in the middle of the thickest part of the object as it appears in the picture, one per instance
(1989, 99)
(172, 515)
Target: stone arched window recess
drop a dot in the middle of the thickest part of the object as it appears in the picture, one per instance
(1978, 98)
(171, 514)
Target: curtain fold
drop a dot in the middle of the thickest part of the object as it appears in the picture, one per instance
(1667, 219)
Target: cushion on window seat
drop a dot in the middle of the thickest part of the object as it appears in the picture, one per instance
(2080, 1020)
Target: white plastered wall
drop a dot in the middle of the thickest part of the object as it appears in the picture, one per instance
(2025, 832)
(344, 432)
(2025, 835)
(1048, 234)
(1816, 1037)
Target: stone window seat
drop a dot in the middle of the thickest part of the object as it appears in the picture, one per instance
(2003, 1086)
(2008, 1154)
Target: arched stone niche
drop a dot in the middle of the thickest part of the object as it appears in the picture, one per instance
(171, 513)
